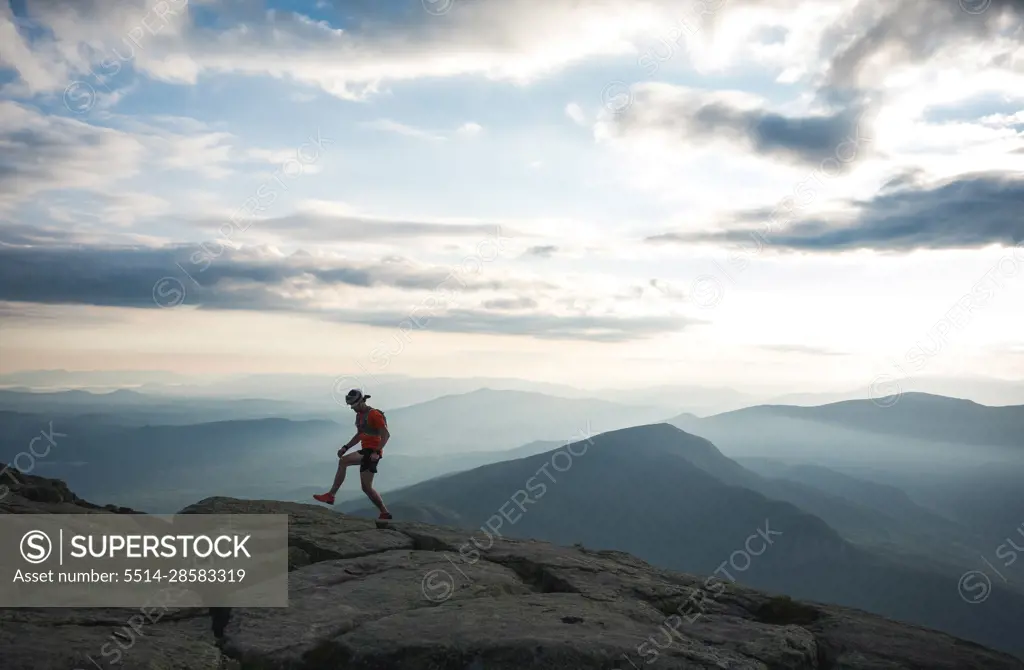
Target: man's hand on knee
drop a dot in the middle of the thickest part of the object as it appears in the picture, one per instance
(341, 452)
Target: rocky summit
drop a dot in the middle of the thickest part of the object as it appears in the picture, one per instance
(416, 596)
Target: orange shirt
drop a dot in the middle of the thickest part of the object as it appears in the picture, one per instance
(370, 439)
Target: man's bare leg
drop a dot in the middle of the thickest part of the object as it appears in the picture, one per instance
(366, 478)
(344, 463)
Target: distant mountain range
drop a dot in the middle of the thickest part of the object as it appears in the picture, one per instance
(154, 468)
(128, 407)
(919, 416)
(157, 468)
(317, 391)
(481, 420)
(291, 447)
(914, 431)
(986, 391)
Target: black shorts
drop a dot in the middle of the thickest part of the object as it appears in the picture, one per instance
(368, 464)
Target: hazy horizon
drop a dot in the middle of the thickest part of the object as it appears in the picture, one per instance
(992, 391)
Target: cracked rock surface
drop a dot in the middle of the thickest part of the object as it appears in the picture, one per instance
(406, 597)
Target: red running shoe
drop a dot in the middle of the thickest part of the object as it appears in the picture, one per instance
(325, 498)
(384, 516)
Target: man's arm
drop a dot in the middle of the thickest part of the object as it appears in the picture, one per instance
(384, 436)
(351, 443)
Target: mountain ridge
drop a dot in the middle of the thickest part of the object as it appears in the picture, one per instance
(913, 415)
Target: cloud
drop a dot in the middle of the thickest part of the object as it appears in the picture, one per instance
(317, 223)
(379, 293)
(21, 234)
(113, 208)
(42, 153)
(664, 289)
(690, 117)
(39, 153)
(511, 40)
(389, 126)
(107, 275)
(608, 329)
(93, 38)
(541, 251)
(879, 37)
(518, 41)
(511, 303)
(34, 65)
(470, 129)
(467, 130)
(575, 113)
(964, 212)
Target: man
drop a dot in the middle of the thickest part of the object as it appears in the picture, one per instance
(372, 432)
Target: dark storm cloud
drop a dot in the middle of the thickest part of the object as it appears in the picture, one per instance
(698, 116)
(811, 139)
(970, 211)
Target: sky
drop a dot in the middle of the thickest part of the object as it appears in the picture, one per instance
(796, 194)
